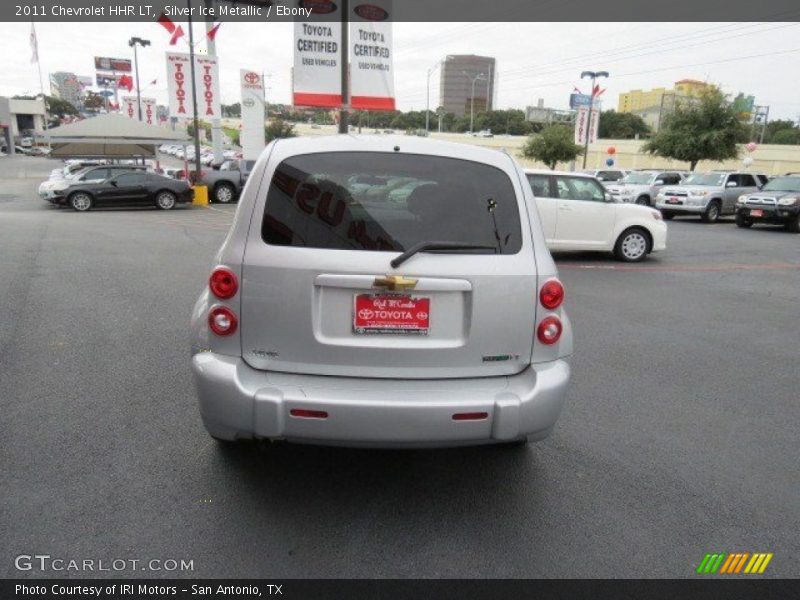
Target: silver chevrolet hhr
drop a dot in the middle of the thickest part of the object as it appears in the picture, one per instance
(382, 291)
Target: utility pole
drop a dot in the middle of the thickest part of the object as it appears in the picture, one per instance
(594, 75)
(135, 42)
(428, 95)
(196, 172)
(345, 67)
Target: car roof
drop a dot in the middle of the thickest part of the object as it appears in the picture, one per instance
(387, 143)
(549, 172)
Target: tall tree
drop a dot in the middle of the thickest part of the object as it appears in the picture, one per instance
(621, 126)
(553, 145)
(704, 130)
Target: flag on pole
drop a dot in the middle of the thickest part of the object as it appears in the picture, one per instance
(212, 33)
(176, 31)
(34, 45)
(125, 81)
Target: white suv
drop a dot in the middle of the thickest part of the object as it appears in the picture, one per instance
(385, 291)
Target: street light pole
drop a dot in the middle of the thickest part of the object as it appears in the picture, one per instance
(135, 42)
(196, 172)
(593, 75)
(345, 41)
(479, 76)
(428, 95)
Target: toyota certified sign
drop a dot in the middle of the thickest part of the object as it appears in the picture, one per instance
(252, 137)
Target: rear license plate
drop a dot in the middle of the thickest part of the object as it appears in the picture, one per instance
(390, 313)
(756, 212)
(673, 201)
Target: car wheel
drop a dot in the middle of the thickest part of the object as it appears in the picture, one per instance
(743, 222)
(644, 200)
(794, 225)
(712, 212)
(224, 193)
(668, 216)
(80, 201)
(166, 200)
(633, 245)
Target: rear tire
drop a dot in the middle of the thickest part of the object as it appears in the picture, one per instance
(643, 200)
(166, 200)
(633, 245)
(743, 222)
(81, 201)
(712, 212)
(224, 193)
(668, 216)
(793, 226)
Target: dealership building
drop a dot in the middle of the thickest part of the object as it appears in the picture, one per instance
(20, 117)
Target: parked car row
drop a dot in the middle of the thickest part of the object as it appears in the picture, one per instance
(187, 152)
(83, 187)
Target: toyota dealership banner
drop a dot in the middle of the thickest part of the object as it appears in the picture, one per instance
(583, 127)
(252, 136)
(371, 69)
(149, 109)
(179, 86)
(317, 75)
(128, 106)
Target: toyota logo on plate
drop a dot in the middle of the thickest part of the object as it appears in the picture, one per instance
(422, 315)
(251, 77)
(366, 313)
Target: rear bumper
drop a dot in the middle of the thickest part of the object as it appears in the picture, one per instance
(239, 402)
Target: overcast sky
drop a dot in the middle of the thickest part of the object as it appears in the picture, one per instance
(535, 60)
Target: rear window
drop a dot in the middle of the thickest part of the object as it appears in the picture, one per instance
(390, 202)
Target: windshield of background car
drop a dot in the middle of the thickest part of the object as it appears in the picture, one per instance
(637, 178)
(783, 184)
(389, 201)
(714, 179)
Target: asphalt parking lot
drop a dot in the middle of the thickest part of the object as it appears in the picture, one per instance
(681, 434)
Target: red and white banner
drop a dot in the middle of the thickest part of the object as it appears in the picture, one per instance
(129, 106)
(371, 65)
(149, 110)
(179, 86)
(583, 127)
(252, 136)
(317, 74)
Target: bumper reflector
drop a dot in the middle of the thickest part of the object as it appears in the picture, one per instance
(472, 416)
(308, 414)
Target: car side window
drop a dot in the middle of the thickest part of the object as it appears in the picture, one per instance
(130, 179)
(762, 179)
(97, 175)
(579, 188)
(540, 185)
(746, 180)
(670, 178)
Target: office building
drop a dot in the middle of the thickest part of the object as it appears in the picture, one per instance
(456, 83)
(66, 86)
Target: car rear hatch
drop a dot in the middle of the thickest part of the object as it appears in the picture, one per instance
(319, 294)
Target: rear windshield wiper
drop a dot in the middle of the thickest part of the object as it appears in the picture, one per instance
(426, 246)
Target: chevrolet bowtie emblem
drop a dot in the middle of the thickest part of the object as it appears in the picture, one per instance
(395, 283)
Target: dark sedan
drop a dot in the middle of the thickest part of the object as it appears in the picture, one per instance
(777, 203)
(126, 189)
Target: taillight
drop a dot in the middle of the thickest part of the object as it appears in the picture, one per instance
(223, 283)
(222, 320)
(552, 294)
(549, 330)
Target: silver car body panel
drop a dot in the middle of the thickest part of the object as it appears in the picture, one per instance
(295, 342)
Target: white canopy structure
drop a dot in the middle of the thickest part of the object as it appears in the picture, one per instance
(111, 136)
